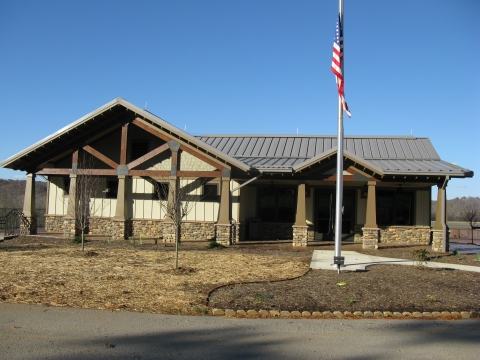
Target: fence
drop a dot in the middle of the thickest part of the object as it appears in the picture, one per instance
(10, 220)
(464, 234)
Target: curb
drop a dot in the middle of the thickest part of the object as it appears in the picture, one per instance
(444, 315)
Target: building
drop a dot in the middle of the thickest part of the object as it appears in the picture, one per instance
(240, 187)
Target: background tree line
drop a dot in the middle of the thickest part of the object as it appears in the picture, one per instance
(456, 207)
(13, 191)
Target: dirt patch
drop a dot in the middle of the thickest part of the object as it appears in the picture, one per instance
(119, 275)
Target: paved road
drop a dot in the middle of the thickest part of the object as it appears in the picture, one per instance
(39, 332)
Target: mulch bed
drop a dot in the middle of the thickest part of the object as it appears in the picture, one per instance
(379, 288)
(124, 276)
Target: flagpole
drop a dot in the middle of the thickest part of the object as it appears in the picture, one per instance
(338, 260)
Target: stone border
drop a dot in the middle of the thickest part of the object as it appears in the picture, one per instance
(444, 315)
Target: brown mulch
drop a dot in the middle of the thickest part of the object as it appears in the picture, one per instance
(120, 275)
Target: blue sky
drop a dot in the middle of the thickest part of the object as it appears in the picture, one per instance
(243, 67)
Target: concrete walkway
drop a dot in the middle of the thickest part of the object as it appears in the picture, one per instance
(354, 261)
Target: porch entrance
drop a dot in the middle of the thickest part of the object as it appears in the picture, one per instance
(325, 214)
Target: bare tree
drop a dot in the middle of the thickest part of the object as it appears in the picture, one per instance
(471, 214)
(177, 199)
(88, 187)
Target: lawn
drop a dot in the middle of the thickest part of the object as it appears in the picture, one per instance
(121, 275)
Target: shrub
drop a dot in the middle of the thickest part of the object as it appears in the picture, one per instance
(77, 240)
(214, 244)
(420, 256)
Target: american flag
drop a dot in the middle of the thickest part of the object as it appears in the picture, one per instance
(337, 60)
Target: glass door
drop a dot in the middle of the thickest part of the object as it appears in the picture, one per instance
(325, 214)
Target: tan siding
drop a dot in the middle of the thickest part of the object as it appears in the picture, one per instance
(57, 202)
(422, 207)
(361, 209)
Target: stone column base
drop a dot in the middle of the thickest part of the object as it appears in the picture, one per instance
(223, 233)
(300, 235)
(370, 238)
(28, 225)
(437, 239)
(120, 229)
(69, 229)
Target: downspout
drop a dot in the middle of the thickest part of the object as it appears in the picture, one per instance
(231, 202)
(246, 183)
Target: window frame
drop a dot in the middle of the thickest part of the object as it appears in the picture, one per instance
(112, 183)
(276, 191)
(395, 208)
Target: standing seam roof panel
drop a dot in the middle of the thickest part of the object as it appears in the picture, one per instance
(222, 143)
(311, 148)
(406, 149)
(258, 146)
(431, 152)
(235, 146)
(367, 148)
(287, 151)
(266, 147)
(228, 146)
(281, 146)
(216, 141)
(303, 147)
(414, 149)
(348, 144)
(375, 151)
(319, 146)
(243, 146)
(249, 147)
(273, 147)
(390, 149)
(398, 149)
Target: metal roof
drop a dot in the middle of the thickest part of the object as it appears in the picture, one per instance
(268, 153)
(387, 154)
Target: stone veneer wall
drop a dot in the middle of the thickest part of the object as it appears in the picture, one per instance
(276, 231)
(148, 228)
(300, 235)
(203, 231)
(100, 226)
(237, 232)
(414, 235)
(222, 234)
(370, 238)
(197, 231)
(28, 225)
(437, 241)
(54, 223)
(69, 228)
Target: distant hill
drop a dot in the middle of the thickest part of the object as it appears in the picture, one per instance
(12, 193)
(455, 207)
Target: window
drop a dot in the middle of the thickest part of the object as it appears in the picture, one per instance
(276, 204)
(66, 185)
(160, 191)
(210, 192)
(112, 189)
(139, 148)
(395, 208)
